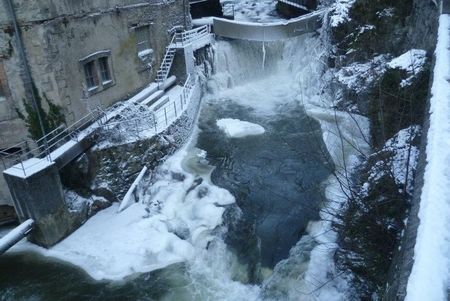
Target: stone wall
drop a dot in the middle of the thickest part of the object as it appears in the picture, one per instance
(109, 171)
(58, 34)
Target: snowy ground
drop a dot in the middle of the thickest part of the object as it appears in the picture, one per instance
(173, 219)
(430, 276)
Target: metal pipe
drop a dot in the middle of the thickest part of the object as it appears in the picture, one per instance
(23, 57)
(15, 235)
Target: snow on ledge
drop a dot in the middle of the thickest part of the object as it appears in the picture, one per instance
(430, 277)
(412, 62)
(235, 128)
(340, 12)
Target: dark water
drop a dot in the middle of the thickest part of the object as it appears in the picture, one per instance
(276, 178)
(32, 277)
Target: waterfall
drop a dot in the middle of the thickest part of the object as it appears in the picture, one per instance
(292, 68)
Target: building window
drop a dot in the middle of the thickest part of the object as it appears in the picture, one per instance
(104, 70)
(98, 71)
(142, 38)
(91, 75)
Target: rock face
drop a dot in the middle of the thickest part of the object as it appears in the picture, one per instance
(7, 215)
(289, 11)
(366, 80)
(108, 172)
(208, 8)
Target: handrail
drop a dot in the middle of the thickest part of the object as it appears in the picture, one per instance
(188, 36)
(165, 60)
(39, 151)
(160, 118)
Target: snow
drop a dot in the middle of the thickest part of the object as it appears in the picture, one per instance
(430, 277)
(405, 156)
(28, 167)
(144, 53)
(412, 62)
(171, 223)
(127, 199)
(136, 121)
(340, 10)
(358, 76)
(400, 160)
(203, 21)
(253, 11)
(236, 128)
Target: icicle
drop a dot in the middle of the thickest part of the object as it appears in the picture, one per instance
(264, 50)
(264, 55)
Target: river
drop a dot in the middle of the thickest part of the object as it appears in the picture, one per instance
(261, 248)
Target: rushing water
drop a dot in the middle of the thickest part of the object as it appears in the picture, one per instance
(261, 251)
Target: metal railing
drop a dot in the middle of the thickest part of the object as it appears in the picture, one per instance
(189, 36)
(296, 3)
(154, 119)
(166, 64)
(54, 139)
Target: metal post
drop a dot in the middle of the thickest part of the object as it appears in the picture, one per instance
(23, 167)
(137, 128)
(154, 123)
(175, 108)
(165, 114)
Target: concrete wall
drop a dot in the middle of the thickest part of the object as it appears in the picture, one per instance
(58, 34)
(270, 31)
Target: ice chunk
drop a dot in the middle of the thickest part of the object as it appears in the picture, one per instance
(236, 128)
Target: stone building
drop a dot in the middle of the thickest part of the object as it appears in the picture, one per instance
(81, 54)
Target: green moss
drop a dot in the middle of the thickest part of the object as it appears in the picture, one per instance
(50, 120)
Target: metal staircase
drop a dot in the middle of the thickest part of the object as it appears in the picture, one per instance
(166, 63)
(179, 41)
